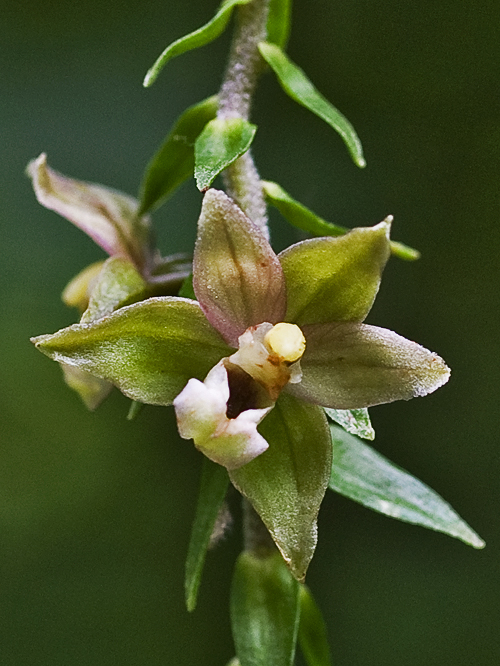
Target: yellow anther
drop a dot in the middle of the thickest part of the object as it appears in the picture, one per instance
(286, 341)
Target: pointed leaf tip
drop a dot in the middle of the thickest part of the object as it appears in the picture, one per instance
(365, 476)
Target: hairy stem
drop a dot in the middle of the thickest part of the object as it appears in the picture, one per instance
(242, 179)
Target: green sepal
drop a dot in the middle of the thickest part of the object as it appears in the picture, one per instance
(279, 22)
(264, 610)
(286, 483)
(335, 279)
(213, 488)
(355, 421)
(304, 219)
(313, 638)
(173, 163)
(220, 143)
(149, 349)
(365, 476)
(204, 35)
(296, 84)
(118, 284)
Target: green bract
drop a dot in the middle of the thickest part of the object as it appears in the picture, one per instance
(302, 218)
(174, 161)
(221, 142)
(157, 348)
(194, 40)
(296, 84)
(364, 475)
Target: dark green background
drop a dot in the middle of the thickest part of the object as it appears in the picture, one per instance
(95, 511)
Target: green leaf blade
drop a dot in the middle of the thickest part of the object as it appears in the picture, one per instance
(296, 84)
(264, 610)
(299, 456)
(303, 218)
(355, 421)
(149, 350)
(194, 40)
(220, 143)
(365, 476)
(313, 638)
(173, 163)
(279, 22)
(213, 488)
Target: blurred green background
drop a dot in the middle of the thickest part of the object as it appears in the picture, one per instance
(95, 511)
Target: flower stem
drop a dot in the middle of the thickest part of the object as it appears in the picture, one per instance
(241, 179)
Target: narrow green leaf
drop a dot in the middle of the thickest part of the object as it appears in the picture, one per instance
(219, 145)
(118, 284)
(279, 22)
(365, 476)
(355, 421)
(264, 610)
(335, 279)
(313, 639)
(296, 84)
(194, 40)
(213, 488)
(149, 350)
(174, 161)
(286, 484)
(304, 219)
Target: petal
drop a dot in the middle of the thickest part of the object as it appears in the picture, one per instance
(107, 216)
(201, 415)
(335, 279)
(238, 279)
(348, 366)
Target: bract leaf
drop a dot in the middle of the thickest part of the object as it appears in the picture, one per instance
(118, 284)
(350, 366)
(335, 279)
(279, 22)
(237, 278)
(213, 488)
(313, 639)
(220, 143)
(194, 40)
(149, 349)
(303, 218)
(365, 476)
(355, 421)
(264, 610)
(286, 483)
(296, 84)
(174, 161)
(109, 217)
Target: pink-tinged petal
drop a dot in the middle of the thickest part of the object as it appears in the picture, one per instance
(349, 366)
(335, 279)
(201, 415)
(109, 217)
(237, 277)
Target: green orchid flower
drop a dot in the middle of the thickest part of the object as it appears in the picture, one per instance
(249, 366)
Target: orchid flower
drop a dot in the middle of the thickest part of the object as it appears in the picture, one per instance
(295, 320)
(250, 364)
